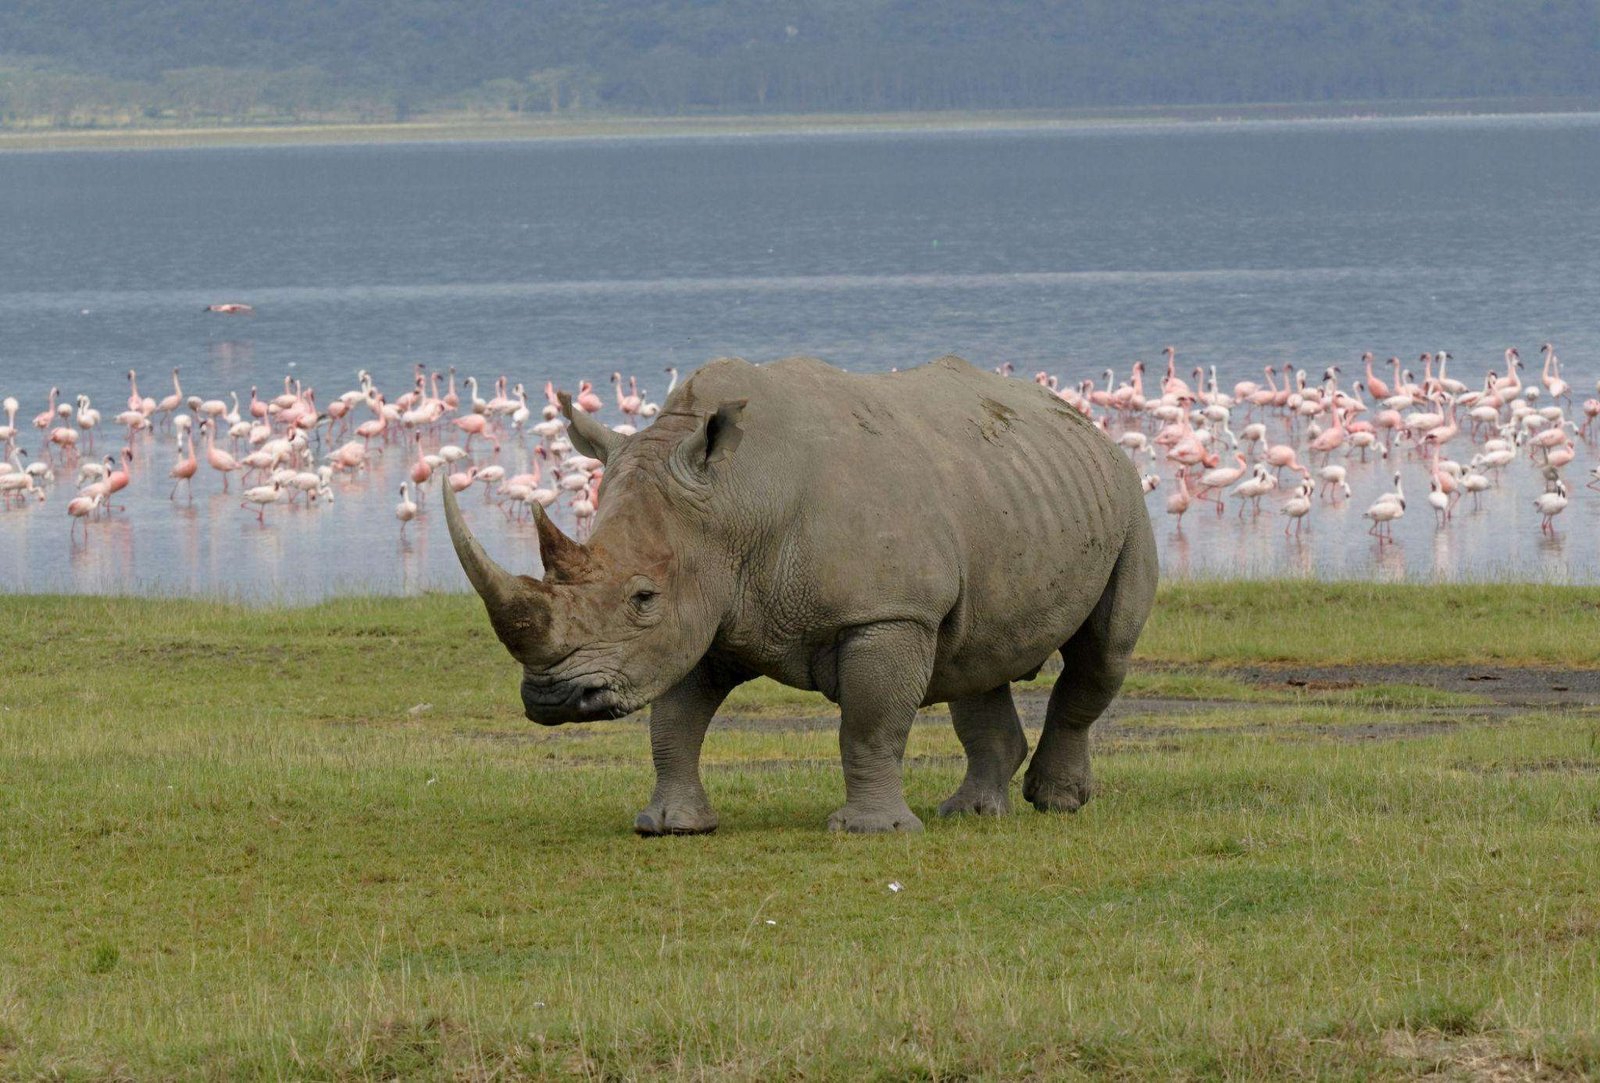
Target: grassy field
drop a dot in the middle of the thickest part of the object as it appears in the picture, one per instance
(323, 843)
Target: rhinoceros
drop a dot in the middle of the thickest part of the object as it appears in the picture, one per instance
(892, 541)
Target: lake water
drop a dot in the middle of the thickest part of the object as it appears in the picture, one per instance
(1068, 251)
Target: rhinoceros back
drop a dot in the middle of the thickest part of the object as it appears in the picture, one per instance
(982, 506)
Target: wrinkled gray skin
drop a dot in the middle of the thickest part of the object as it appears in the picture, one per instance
(891, 541)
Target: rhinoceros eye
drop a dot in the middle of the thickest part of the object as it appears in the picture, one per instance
(643, 596)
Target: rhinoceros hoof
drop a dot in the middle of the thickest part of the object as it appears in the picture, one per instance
(874, 821)
(1066, 796)
(658, 820)
(976, 803)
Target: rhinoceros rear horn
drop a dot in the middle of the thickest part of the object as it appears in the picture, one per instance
(588, 435)
(500, 590)
(562, 557)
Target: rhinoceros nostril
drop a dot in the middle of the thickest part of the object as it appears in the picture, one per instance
(594, 696)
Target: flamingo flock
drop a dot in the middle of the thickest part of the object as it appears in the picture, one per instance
(1287, 445)
(1235, 444)
(284, 448)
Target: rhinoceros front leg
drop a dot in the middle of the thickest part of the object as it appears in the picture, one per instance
(678, 722)
(883, 675)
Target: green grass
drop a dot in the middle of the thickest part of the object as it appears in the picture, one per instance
(323, 843)
(1296, 621)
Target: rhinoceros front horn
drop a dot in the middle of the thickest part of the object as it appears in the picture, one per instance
(499, 589)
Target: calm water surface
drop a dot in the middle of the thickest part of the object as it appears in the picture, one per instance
(1065, 251)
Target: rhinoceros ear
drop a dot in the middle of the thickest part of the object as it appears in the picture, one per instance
(713, 440)
(588, 435)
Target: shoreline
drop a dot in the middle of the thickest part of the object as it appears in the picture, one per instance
(494, 130)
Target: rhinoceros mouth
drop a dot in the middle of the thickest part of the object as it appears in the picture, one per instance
(556, 704)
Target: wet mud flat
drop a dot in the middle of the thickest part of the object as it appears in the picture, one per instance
(1513, 686)
(1499, 692)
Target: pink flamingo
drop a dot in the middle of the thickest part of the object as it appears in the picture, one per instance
(42, 421)
(1265, 396)
(1103, 399)
(220, 461)
(1170, 384)
(586, 399)
(584, 505)
(171, 402)
(373, 427)
(1591, 410)
(183, 472)
(1329, 440)
(350, 456)
(1178, 502)
(420, 470)
(489, 476)
(1551, 379)
(1509, 386)
(502, 403)
(1447, 484)
(66, 439)
(406, 510)
(473, 425)
(1282, 456)
(1379, 389)
(1297, 508)
(1550, 505)
(1547, 440)
(118, 479)
(1443, 433)
(80, 508)
(339, 410)
(1221, 477)
(628, 404)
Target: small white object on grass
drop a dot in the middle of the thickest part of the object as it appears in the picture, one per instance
(896, 886)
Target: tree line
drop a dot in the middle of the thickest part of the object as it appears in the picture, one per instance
(83, 61)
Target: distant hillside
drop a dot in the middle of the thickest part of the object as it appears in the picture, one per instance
(90, 61)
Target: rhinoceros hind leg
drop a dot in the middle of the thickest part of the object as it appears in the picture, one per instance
(1094, 662)
(883, 674)
(992, 736)
(678, 722)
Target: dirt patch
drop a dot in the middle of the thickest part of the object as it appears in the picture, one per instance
(1465, 1057)
(1372, 731)
(1534, 767)
(1107, 733)
(1295, 684)
(1518, 686)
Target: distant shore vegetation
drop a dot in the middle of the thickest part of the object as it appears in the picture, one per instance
(173, 63)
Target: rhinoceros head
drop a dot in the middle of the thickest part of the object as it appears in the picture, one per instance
(614, 623)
